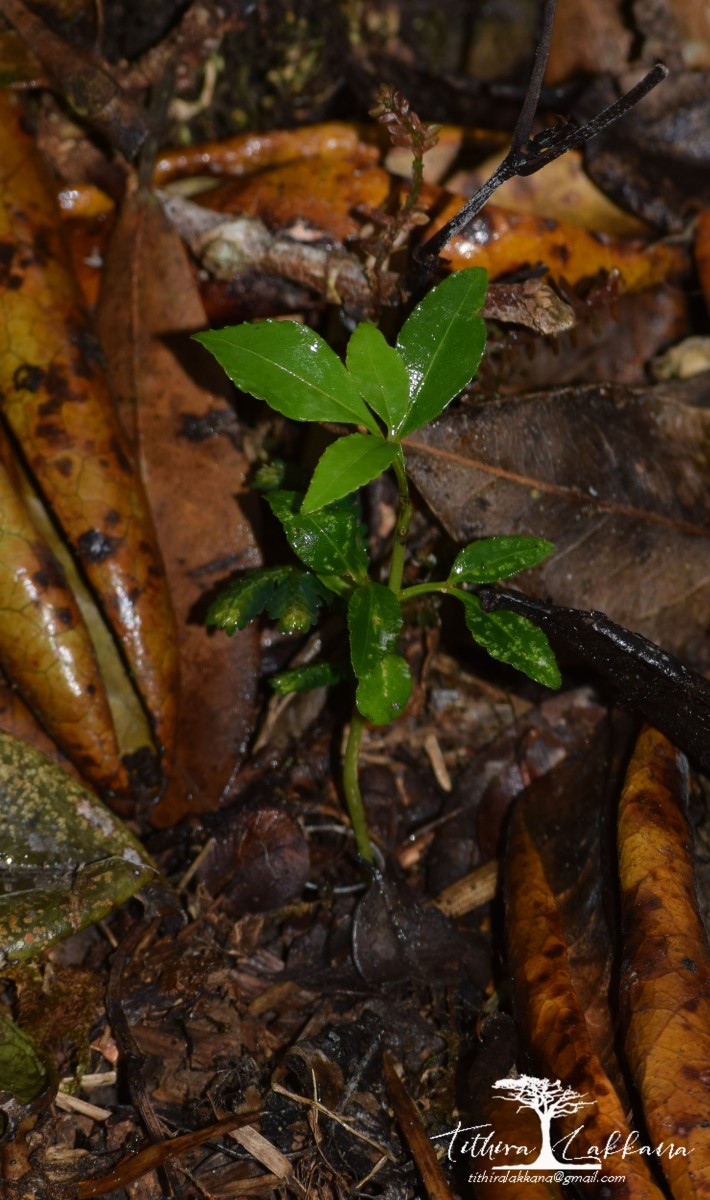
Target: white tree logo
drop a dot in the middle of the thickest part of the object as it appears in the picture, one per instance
(549, 1099)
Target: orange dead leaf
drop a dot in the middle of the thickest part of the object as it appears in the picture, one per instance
(665, 979)
(312, 196)
(503, 242)
(56, 400)
(250, 152)
(183, 423)
(334, 197)
(549, 1010)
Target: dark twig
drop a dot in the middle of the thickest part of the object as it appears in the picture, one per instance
(529, 154)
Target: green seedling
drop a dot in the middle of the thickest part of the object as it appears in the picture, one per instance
(387, 393)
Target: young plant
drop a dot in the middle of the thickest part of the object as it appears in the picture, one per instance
(386, 393)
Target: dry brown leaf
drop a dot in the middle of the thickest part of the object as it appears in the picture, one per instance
(183, 424)
(611, 475)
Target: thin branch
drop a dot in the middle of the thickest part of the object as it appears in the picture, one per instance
(530, 154)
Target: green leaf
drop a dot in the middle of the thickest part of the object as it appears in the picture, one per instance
(441, 344)
(347, 465)
(331, 541)
(297, 601)
(291, 368)
(515, 640)
(382, 693)
(305, 679)
(242, 600)
(379, 375)
(375, 623)
(495, 558)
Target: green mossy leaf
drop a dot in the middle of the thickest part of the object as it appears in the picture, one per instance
(383, 692)
(66, 860)
(496, 558)
(305, 679)
(374, 623)
(515, 640)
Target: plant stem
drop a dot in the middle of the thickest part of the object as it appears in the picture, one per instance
(404, 517)
(351, 786)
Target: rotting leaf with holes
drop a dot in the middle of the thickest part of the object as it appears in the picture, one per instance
(610, 474)
(56, 401)
(665, 975)
(178, 403)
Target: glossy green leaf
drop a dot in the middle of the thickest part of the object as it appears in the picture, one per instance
(441, 344)
(331, 541)
(379, 375)
(347, 465)
(374, 623)
(515, 640)
(495, 558)
(383, 692)
(297, 601)
(305, 679)
(291, 368)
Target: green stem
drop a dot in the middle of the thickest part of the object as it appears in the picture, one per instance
(404, 517)
(424, 589)
(351, 786)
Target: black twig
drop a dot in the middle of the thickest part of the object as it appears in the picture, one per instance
(530, 154)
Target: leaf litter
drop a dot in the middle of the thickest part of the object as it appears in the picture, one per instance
(258, 983)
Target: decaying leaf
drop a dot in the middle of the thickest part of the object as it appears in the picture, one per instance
(503, 242)
(177, 403)
(561, 192)
(611, 475)
(247, 153)
(56, 401)
(258, 859)
(559, 957)
(26, 1082)
(66, 859)
(656, 162)
(665, 977)
(45, 647)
